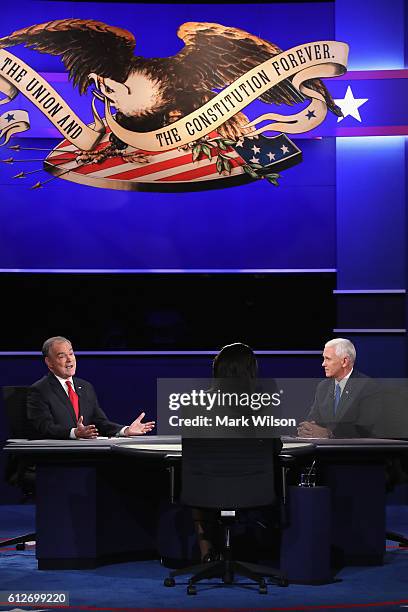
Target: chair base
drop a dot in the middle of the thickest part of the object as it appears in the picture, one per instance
(227, 570)
(19, 541)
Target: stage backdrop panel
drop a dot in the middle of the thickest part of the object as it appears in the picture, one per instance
(65, 225)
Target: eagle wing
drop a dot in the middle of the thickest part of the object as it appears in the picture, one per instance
(217, 55)
(84, 45)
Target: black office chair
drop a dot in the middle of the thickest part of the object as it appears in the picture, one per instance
(393, 424)
(228, 476)
(19, 472)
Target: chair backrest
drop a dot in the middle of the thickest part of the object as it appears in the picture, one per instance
(393, 421)
(15, 403)
(18, 470)
(228, 473)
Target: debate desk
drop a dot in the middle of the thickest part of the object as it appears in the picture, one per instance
(100, 501)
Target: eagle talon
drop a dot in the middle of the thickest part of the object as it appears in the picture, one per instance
(97, 157)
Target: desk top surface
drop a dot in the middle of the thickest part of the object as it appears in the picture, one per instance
(160, 445)
(171, 445)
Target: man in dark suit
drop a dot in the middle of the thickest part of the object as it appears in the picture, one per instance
(347, 404)
(61, 406)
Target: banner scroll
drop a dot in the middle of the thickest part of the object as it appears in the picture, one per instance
(321, 59)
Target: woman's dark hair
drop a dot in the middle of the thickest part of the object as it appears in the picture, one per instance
(235, 361)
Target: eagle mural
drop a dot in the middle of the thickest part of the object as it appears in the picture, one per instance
(150, 93)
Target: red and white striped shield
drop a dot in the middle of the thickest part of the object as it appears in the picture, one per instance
(172, 170)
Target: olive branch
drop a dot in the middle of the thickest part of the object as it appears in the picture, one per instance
(202, 148)
(271, 177)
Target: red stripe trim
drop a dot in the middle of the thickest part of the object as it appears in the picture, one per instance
(386, 130)
(95, 166)
(197, 172)
(92, 167)
(64, 143)
(191, 174)
(60, 159)
(101, 145)
(116, 161)
(171, 163)
(152, 168)
(111, 162)
(365, 75)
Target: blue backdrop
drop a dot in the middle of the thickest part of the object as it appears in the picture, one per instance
(66, 225)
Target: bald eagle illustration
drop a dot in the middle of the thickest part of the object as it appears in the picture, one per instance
(150, 93)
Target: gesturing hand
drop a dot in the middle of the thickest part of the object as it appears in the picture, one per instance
(85, 431)
(137, 428)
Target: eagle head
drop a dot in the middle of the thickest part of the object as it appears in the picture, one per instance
(139, 95)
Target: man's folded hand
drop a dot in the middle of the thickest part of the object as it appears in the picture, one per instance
(310, 429)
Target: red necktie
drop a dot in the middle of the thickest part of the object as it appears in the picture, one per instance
(73, 397)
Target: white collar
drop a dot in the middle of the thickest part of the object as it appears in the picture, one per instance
(64, 381)
(342, 383)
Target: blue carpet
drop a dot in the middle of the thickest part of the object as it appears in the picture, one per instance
(139, 585)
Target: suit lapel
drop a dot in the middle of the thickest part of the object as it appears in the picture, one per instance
(59, 391)
(328, 400)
